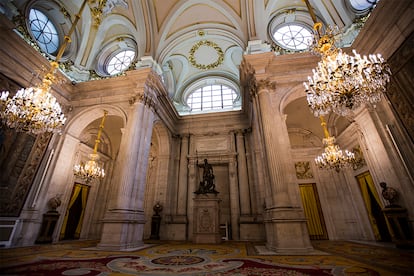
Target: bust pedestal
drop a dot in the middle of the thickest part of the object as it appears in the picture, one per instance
(206, 218)
(400, 229)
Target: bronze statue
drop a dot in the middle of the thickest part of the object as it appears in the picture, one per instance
(207, 185)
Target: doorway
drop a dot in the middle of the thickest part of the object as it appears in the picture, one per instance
(313, 212)
(374, 207)
(72, 223)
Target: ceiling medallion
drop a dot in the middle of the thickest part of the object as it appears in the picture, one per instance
(206, 43)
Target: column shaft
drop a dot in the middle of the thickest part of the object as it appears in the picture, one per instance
(245, 207)
(234, 200)
(271, 122)
(182, 180)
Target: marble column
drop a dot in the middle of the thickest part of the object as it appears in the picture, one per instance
(123, 223)
(285, 223)
(245, 207)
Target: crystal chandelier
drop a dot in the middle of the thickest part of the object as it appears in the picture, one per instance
(91, 170)
(35, 109)
(333, 157)
(341, 83)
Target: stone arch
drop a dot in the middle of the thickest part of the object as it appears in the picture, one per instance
(82, 119)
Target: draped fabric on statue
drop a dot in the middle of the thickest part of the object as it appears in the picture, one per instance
(316, 227)
(85, 191)
(365, 183)
(76, 190)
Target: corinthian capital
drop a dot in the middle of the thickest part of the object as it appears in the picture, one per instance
(265, 84)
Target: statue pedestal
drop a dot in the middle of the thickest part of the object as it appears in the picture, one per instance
(400, 229)
(206, 218)
(48, 227)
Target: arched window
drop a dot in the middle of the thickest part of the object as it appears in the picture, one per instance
(120, 62)
(43, 31)
(362, 6)
(116, 56)
(213, 97)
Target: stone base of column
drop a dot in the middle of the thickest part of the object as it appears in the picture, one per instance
(286, 231)
(175, 228)
(252, 228)
(206, 219)
(122, 230)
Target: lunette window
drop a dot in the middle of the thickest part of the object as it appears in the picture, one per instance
(211, 97)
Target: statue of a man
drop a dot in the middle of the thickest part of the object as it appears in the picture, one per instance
(207, 185)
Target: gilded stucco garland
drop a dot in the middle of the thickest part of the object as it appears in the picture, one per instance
(206, 66)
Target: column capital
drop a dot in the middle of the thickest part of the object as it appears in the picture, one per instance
(256, 86)
(265, 84)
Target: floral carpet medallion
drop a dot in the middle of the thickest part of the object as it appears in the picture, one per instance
(186, 259)
(174, 265)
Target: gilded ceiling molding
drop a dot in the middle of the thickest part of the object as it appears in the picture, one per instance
(207, 43)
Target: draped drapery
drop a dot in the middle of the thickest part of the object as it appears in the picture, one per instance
(313, 213)
(77, 189)
(367, 187)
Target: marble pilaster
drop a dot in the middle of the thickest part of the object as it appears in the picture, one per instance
(234, 200)
(245, 208)
(182, 181)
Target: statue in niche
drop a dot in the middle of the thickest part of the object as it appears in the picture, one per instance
(207, 185)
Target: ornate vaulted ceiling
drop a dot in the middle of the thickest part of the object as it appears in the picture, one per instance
(185, 41)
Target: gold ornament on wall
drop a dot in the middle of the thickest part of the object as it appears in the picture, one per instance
(207, 43)
(303, 170)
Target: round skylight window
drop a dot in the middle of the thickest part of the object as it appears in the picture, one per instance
(120, 62)
(43, 31)
(293, 36)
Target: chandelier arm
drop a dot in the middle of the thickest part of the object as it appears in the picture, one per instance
(98, 138)
(312, 13)
(67, 39)
(325, 129)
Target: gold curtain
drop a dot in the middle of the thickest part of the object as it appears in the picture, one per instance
(85, 191)
(365, 183)
(315, 222)
(76, 190)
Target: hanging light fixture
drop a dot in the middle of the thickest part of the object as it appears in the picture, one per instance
(91, 170)
(35, 109)
(333, 157)
(341, 83)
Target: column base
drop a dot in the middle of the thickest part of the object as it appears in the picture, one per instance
(286, 231)
(122, 230)
(175, 228)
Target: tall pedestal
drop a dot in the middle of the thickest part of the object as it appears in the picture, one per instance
(206, 219)
(400, 229)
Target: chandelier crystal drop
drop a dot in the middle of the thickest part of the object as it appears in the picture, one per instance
(333, 157)
(91, 169)
(34, 109)
(341, 83)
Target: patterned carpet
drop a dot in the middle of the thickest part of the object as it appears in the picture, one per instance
(227, 258)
